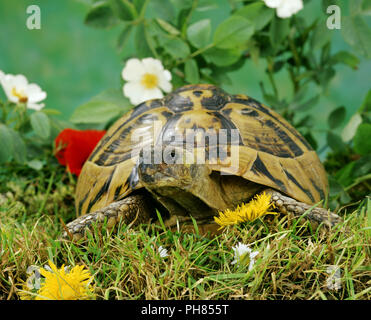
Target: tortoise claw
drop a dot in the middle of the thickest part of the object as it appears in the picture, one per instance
(132, 209)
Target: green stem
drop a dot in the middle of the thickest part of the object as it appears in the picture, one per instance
(21, 108)
(143, 10)
(4, 114)
(271, 76)
(194, 54)
(294, 52)
(294, 80)
(358, 181)
(193, 8)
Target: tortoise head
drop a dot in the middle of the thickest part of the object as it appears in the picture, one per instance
(170, 167)
(183, 187)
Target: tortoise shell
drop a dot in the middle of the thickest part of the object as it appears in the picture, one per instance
(271, 152)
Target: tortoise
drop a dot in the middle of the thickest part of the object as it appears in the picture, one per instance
(146, 164)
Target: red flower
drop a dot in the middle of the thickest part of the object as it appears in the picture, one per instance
(73, 147)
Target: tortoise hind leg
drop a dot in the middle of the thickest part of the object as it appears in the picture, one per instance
(132, 209)
(318, 215)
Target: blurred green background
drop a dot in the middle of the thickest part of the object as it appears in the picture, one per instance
(73, 62)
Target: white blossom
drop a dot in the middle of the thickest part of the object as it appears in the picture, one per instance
(243, 254)
(18, 90)
(285, 8)
(146, 79)
(162, 251)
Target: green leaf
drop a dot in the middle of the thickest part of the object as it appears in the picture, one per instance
(362, 140)
(139, 4)
(336, 117)
(308, 104)
(273, 101)
(181, 4)
(325, 77)
(366, 104)
(350, 129)
(168, 27)
(161, 9)
(366, 8)
(5, 143)
(355, 7)
(177, 48)
(35, 164)
(311, 140)
(206, 5)
(346, 58)
(142, 42)
(40, 123)
(257, 13)
(102, 108)
(52, 112)
(198, 33)
(335, 187)
(101, 16)
(279, 31)
(307, 122)
(233, 32)
(357, 33)
(335, 142)
(96, 112)
(321, 35)
(191, 71)
(344, 176)
(124, 36)
(123, 9)
(362, 166)
(19, 149)
(222, 57)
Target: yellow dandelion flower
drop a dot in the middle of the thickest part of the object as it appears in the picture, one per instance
(246, 212)
(60, 284)
(24, 293)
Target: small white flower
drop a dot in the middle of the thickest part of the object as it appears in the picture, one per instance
(162, 251)
(145, 80)
(243, 254)
(18, 90)
(285, 8)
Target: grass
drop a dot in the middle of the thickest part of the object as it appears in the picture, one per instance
(292, 262)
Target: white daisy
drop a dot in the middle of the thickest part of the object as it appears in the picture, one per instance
(285, 8)
(145, 80)
(18, 90)
(243, 255)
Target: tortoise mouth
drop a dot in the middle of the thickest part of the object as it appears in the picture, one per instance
(179, 202)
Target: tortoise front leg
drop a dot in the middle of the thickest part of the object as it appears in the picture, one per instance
(318, 215)
(133, 209)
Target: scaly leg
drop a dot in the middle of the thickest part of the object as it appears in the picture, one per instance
(133, 209)
(318, 215)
